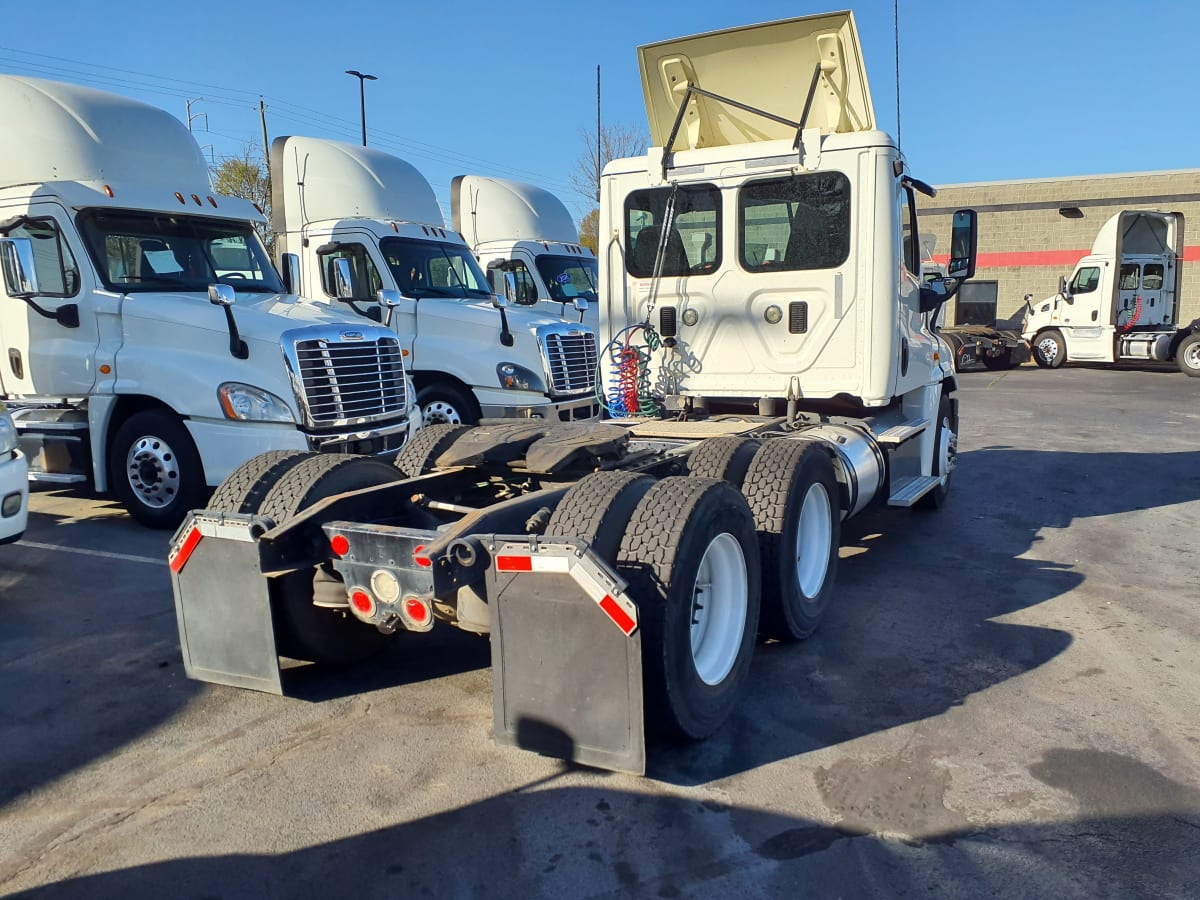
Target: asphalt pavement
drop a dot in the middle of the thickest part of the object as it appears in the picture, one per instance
(1002, 702)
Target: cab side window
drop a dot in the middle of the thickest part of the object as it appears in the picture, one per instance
(1152, 277)
(1085, 280)
(364, 277)
(57, 273)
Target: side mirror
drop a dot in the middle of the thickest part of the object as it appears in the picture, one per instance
(291, 273)
(1063, 288)
(20, 275)
(581, 304)
(221, 295)
(496, 267)
(964, 243)
(343, 283)
(510, 292)
(389, 298)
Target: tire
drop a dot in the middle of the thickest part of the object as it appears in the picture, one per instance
(244, 489)
(302, 630)
(1049, 349)
(598, 508)
(684, 531)
(724, 458)
(794, 494)
(154, 468)
(956, 344)
(1187, 355)
(999, 363)
(945, 451)
(443, 403)
(423, 448)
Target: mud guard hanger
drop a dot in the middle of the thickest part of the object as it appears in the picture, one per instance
(701, 92)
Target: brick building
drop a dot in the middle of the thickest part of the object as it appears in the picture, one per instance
(1031, 232)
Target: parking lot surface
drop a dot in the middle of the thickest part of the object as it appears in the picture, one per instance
(1003, 701)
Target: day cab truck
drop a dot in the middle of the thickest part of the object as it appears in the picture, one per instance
(1122, 300)
(357, 221)
(148, 345)
(770, 370)
(526, 230)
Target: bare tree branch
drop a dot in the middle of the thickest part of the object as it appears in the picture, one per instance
(616, 142)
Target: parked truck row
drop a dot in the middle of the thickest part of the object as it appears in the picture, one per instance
(770, 369)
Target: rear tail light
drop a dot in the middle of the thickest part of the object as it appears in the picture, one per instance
(339, 544)
(416, 610)
(362, 603)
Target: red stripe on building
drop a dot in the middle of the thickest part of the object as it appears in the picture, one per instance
(1058, 259)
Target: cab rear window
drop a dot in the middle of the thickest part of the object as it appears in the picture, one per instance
(794, 223)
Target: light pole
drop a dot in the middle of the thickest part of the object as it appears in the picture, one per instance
(362, 98)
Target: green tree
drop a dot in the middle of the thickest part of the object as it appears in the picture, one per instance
(245, 176)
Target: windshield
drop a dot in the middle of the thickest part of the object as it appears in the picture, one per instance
(434, 269)
(568, 277)
(142, 251)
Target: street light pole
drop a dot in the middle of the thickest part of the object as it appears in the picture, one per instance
(362, 98)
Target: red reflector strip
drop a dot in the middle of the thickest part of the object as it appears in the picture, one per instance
(179, 560)
(620, 618)
(514, 563)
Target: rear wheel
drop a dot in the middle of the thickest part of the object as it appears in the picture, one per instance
(792, 489)
(724, 458)
(597, 509)
(1049, 349)
(305, 631)
(421, 453)
(690, 559)
(244, 488)
(1187, 355)
(154, 468)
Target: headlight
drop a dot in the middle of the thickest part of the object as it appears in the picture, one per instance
(250, 404)
(8, 434)
(518, 378)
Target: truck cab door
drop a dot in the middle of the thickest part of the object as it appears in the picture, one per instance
(1156, 303)
(1086, 324)
(40, 356)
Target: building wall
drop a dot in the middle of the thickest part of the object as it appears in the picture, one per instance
(1026, 241)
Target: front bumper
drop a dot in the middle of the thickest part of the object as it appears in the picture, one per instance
(14, 496)
(520, 405)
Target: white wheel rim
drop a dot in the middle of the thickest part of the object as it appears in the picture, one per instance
(153, 471)
(720, 599)
(1048, 347)
(1191, 356)
(439, 411)
(813, 536)
(949, 451)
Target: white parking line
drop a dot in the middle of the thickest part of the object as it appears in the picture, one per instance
(103, 554)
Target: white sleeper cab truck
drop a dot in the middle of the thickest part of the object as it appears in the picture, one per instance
(14, 482)
(1122, 300)
(526, 230)
(770, 371)
(147, 343)
(366, 232)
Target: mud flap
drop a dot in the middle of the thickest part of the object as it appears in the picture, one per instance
(566, 656)
(223, 602)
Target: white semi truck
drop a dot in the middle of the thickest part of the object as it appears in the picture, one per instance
(126, 361)
(526, 230)
(773, 373)
(1122, 300)
(14, 482)
(359, 221)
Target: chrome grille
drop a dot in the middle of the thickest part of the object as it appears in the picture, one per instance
(571, 361)
(347, 382)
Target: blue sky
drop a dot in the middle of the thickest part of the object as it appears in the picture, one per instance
(989, 90)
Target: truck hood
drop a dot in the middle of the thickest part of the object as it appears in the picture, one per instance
(767, 66)
(259, 317)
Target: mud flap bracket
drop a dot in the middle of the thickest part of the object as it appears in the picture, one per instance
(566, 655)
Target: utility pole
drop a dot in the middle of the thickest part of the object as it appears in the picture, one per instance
(191, 116)
(262, 115)
(599, 164)
(362, 98)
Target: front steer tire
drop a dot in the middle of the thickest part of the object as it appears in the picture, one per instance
(154, 469)
(1187, 355)
(674, 531)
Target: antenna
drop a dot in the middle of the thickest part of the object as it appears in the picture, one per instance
(599, 162)
(896, 11)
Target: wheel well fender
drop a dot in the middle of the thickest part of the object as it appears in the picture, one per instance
(112, 417)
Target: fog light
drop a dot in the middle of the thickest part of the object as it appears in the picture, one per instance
(11, 505)
(690, 317)
(773, 314)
